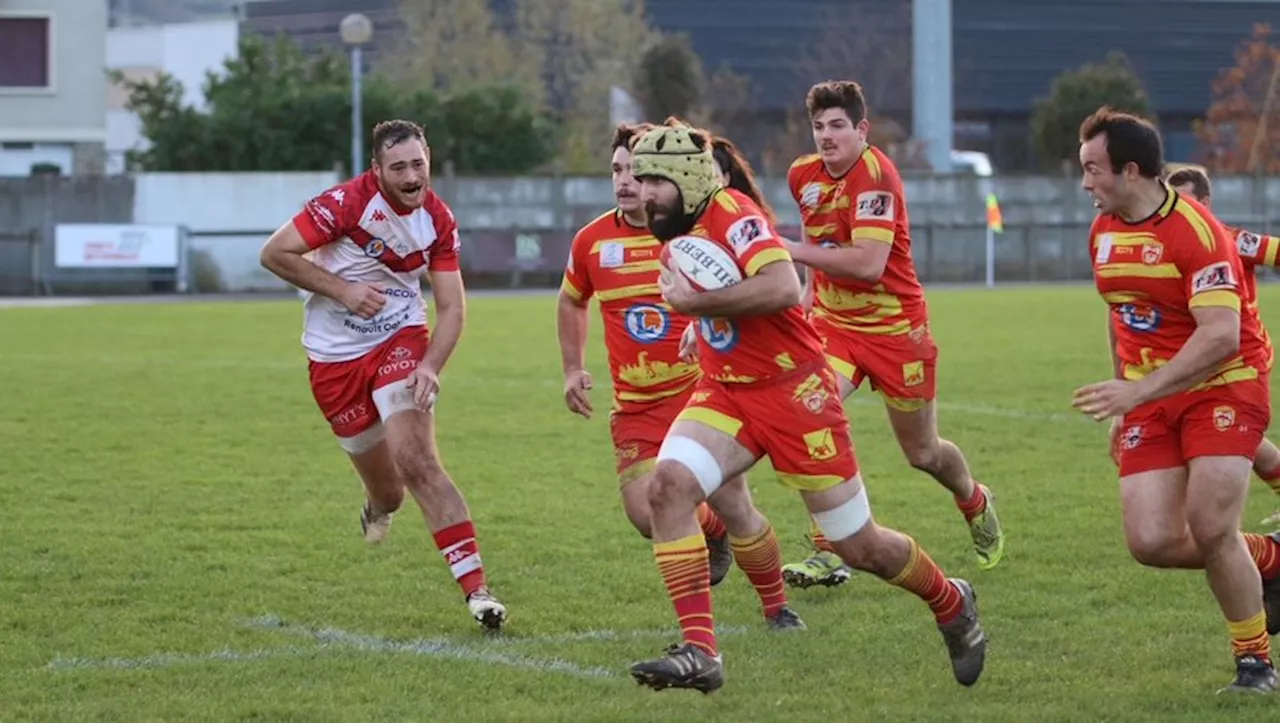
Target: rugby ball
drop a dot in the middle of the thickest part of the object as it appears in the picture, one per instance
(706, 264)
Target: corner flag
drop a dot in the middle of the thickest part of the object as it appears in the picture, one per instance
(994, 220)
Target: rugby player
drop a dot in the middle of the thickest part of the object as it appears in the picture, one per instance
(1188, 396)
(1255, 250)
(766, 389)
(869, 308)
(374, 367)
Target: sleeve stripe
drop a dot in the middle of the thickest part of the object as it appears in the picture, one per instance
(1216, 298)
(1269, 257)
(872, 233)
(311, 233)
(570, 290)
(766, 257)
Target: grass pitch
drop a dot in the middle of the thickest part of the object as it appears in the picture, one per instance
(180, 540)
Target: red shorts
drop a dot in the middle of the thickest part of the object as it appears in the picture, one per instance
(796, 419)
(348, 391)
(638, 433)
(902, 367)
(1222, 421)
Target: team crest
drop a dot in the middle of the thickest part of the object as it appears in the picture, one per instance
(1131, 438)
(1223, 418)
(821, 444)
(811, 194)
(1151, 253)
(647, 323)
(720, 334)
(1248, 243)
(913, 374)
(812, 394)
(375, 247)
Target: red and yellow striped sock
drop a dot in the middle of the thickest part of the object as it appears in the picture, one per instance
(683, 564)
(975, 505)
(1265, 553)
(761, 560)
(712, 527)
(922, 576)
(1249, 637)
(819, 540)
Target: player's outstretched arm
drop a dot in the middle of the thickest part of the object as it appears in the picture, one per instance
(571, 329)
(1215, 340)
(450, 298)
(864, 260)
(772, 288)
(282, 255)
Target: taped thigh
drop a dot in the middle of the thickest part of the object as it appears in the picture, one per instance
(394, 398)
(696, 458)
(364, 441)
(846, 519)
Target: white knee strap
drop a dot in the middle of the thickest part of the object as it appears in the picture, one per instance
(696, 458)
(845, 520)
(363, 442)
(396, 397)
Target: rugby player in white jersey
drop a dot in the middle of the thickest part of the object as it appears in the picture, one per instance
(359, 250)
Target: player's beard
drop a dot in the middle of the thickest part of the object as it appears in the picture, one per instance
(672, 223)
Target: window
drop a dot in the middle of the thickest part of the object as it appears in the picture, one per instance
(24, 52)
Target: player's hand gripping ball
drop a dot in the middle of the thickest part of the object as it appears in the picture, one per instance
(704, 263)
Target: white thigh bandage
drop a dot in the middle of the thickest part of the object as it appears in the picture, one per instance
(845, 520)
(696, 458)
(394, 398)
(364, 441)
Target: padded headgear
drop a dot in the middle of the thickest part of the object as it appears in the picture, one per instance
(669, 152)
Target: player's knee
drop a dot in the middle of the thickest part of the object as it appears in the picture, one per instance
(924, 454)
(683, 461)
(846, 527)
(419, 467)
(1153, 545)
(635, 503)
(672, 484)
(1211, 530)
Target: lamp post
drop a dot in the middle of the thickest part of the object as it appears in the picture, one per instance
(356, 30)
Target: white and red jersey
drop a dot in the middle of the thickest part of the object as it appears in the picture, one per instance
(360, 235)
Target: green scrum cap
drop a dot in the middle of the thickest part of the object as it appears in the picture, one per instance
(670, 152)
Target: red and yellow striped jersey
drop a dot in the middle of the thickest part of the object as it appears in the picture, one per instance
(617, 263)
(869, 203)
(751, 349)
(1255, 250)
(1153, 273)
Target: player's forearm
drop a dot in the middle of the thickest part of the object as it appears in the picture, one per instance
(571, 329)
(300, 272)
(1111, 343)
(855, 262)
(1198, 359)
(445, 335)
(755, 296)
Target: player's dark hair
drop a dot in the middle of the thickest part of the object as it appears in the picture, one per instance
(844, 94)
(741, 177)
(1199, 180)
(626, 134)
(391, 133)
(1130, 139)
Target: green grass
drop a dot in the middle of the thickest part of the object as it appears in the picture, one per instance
(166, 480)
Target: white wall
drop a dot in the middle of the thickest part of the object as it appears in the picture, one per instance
(229, 215)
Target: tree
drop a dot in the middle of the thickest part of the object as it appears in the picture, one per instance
(668, 79)
(1241, 129)
(449, 45)
(276, 109)
(1074, 95)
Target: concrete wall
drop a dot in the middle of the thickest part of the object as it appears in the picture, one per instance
(516, 231)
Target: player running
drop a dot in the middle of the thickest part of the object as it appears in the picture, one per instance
(1188, 400)
(374, 366)
(869, 308)
(1255, 250)
(615, 259)
(766, 390)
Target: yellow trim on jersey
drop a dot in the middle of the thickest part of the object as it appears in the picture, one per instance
(1269, 258)
(809, 482)
(626, 292)
(818, 232)
(803, 161)
(689, 379)
(864, 324)
(638, 267)
(709, 417)
(1204, 232)
(1123, 297)
(764, 258)
(874, 169)
(1141, 271)
(872, 233)
(570, 290)
(626, 243)
(727, 202)
(1216, 298)
(904, 404)
(842, 367)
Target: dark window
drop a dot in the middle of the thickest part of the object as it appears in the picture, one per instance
(24, 52)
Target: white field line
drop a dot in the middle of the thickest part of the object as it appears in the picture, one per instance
(471, 382)
(331, 639)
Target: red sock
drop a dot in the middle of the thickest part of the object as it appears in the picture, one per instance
(462, 553)
(975, 505)
(818, 539)
(712, 526)
(761, 560)
(683, 564)
(923, 577)
(1265, 553)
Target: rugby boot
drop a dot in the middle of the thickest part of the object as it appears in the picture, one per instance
(1272, 520)
(820, 568)
(683, 666)
(375, 526)
(486, 609)
(1253, 675)
(988, 538)
(1271, 597)
(965, 639)
(786, 619)
(720, 558)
